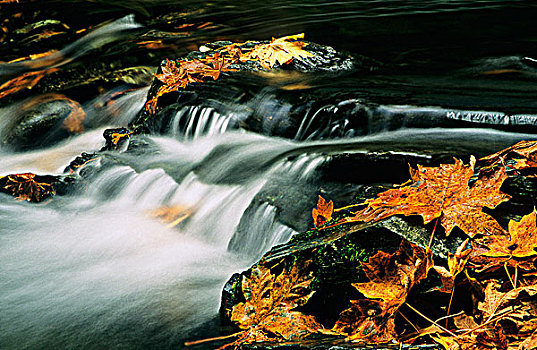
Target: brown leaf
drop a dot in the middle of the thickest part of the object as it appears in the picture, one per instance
(456, 264)
(323, 212)
(391, 277)
(74, 122)
(443, 191)
(530, 343)
(173, 215)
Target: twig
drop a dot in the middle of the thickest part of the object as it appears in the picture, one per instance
(487, 322)
(432, 234)
(406, 319)
(196, 342)
(450, 301)
(433, 322)
(350, 206)
(509, 276)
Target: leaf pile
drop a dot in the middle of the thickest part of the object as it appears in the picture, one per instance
(391, 277)
(490, 280)
(178, 74)
(498, 266)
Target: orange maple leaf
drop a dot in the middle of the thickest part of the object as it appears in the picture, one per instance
(391, 277)
(520, 156)
(443, 192)
(522, 241)
(323, 212)
(267, 314)
(281, 51)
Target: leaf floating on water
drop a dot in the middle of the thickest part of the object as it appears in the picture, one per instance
(443, 192)
(323, 212)
(173, 215)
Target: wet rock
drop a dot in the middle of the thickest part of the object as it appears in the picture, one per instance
(239, 91)
(42, 124)
(335, 256)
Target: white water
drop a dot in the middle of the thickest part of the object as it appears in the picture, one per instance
(96, 270)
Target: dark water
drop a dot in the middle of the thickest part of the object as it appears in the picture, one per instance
(95, 270)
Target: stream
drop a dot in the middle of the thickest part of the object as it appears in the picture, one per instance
(95, 269)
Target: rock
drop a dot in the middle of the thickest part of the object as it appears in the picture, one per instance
(335, 257)
(43, 122)
(241, 89)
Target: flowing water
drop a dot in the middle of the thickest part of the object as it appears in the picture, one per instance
(95, 269)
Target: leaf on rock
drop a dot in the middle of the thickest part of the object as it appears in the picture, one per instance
(520, 156)
(267, 314)
(522, 242)
(391, 277)
(279, 51)
(74, 122)
(443, 191)
(323, 212)
(26, 186)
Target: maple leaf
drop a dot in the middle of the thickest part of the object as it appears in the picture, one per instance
(443, 192)
(391, 277)
(323, 212)
(279, 51)
(522, 148)
(521, 243)
(267, 314)
(173, 75)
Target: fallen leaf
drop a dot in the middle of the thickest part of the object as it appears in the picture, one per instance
(173, 215)
(522, 241)
(267, 313)
(28, 186)
(391, 277)
(24, 81)
(456, 264)
(323, 212)
(443, 192)
(74, 122)
(279, 51)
